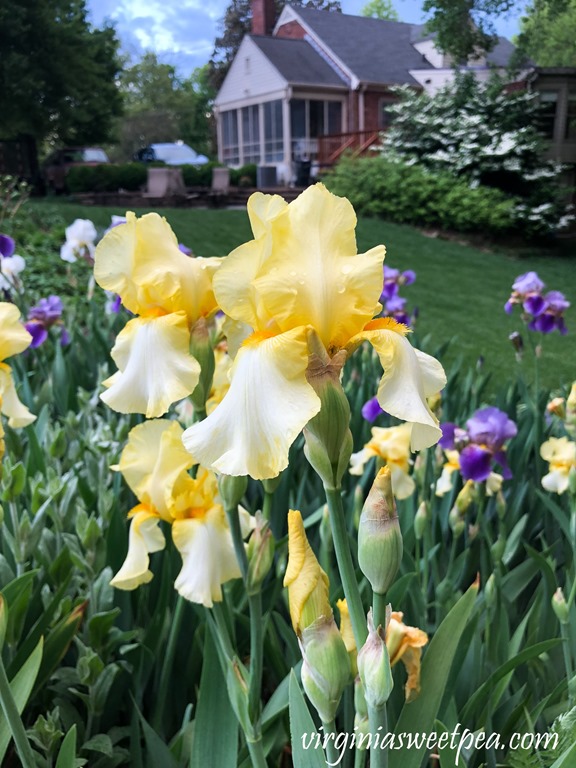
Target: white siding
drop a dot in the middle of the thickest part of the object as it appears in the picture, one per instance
(432, 80)
(250, 78)
(432, 55)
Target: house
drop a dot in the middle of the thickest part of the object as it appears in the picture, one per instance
(316, 83)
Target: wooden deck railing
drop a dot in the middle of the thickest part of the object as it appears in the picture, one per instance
(331, 148)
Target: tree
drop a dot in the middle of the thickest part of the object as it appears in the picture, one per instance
(159, 106)
(380, 9)
(57, 73)
(548, 34)
(237, 22)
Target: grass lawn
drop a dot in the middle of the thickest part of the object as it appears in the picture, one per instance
(460, 291)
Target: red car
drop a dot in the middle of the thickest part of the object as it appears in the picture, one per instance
(57, 165)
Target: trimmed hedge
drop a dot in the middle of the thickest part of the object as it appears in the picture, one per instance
(133, 176)
(409, 194)
(106, 178)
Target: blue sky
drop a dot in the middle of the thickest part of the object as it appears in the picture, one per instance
(183, 33)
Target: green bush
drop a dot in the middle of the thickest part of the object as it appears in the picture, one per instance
(244, 176)
(409, 194)
(107, 178)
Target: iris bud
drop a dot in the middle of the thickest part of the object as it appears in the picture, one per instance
(380, 546)
(374, 667)
(560, 606)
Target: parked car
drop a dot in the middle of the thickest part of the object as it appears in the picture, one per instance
(176, 153)
(56, 166)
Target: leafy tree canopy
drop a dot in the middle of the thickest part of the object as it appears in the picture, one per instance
(465, 28)
(548, 33)
(161, 106)
(57, 73)
(237, 22)
(380, 9)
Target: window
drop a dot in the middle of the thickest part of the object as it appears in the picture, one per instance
(309, 119)
(250, 135)
(570, 132)
(230, 148)
(547, 117)
(385, 117)
(273, 132)
(334, 121)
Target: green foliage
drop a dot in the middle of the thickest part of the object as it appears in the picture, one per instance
(548, 33)
(107, 178)
(380, 9)
(58, 73)
(410, 194)
(464, 28)
(480, 133)
(160, 106)
(494, 663)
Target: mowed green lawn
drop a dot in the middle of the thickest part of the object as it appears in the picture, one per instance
(460, 291)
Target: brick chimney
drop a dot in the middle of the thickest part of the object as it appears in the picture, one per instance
(263, 17)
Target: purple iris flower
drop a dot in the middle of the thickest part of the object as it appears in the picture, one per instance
(408, 277)
(185, 249)
(475, 463)
(543, 312)
(395, 304)
(7, 246)
(529, 282)
(490, 427)
(481, 444)
(47, 311)
(38, 332)
(534, 304)
(371, 409)
(41, 317)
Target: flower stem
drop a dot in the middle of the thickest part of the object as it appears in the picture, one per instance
(565, 630)
(345, 565)
(332, 756)
(168, 662)
(379, 604)
(256, 654)
(255, 606)
(257, 756)
(378, 729)
(14, 721)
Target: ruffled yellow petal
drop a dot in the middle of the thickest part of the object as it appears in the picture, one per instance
(409, 378)
(141, 261)
(152, 462)
(208, 558)
(155, 366)
(403, 485)
(306, 581)
(145, 537)
(10, 405)
(303, 269)
(266, 407)
(14, 338)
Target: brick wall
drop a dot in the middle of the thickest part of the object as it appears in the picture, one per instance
(292, 29)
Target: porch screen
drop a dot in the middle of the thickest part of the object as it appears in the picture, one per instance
(230, 148)
(250, 135)
(273, 132)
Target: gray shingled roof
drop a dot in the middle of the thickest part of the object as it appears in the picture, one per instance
(297, 61)
(376, 51)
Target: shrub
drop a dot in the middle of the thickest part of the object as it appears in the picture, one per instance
(410, 194)
(106, 178)
(480, 133)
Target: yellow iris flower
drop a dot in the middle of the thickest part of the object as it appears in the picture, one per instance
(392, 446)
(155, 466)
(14, 338)
(170, 292)
(300, 284)
(405, 644)
(560, 453)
